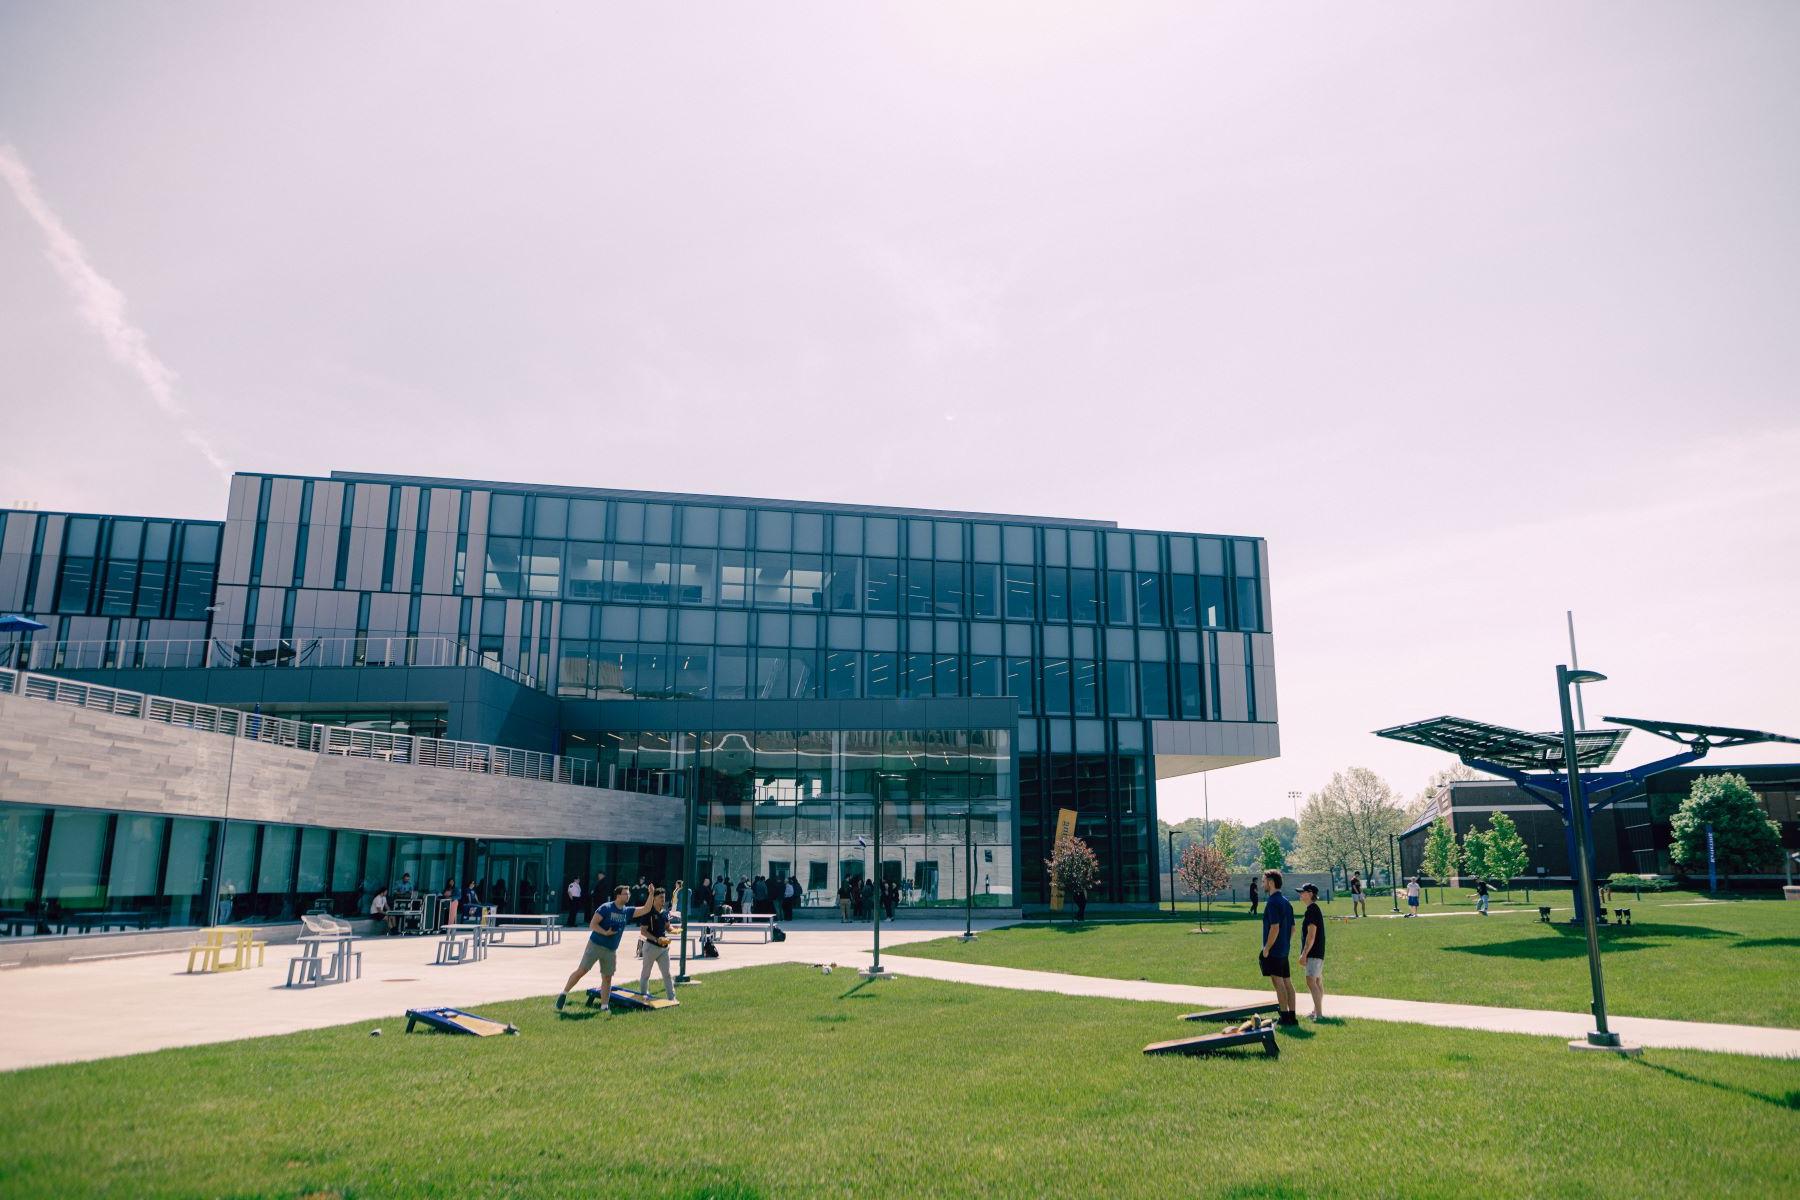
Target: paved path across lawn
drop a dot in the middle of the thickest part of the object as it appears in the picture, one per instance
(73, 1012)
(1645, 1031)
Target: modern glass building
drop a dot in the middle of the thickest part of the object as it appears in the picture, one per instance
(786, 666)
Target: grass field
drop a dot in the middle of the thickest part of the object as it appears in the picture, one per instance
(1734, 961)
(780, 1082)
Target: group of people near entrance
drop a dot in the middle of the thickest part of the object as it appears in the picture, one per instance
(857, 896)
(1275, 956)
(607, 928)
(777, 897)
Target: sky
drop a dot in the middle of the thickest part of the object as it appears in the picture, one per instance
(1479, 313)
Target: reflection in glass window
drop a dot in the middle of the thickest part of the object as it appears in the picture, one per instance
(693, 672)
(1018, 682)
(1086, 675)
(1154, 678)
(1056, 594)
(1212, 602)
(1188, 675)
(1249, 614)
(1021, 594)
(984, 676)
(1149, 598)
(1056, 687)
(844, 588)
(734, 578)
(986, 590)
(698, 582)
(947, 674)
(883, 677)
(841, 671)
(1121, 695)
(543, 570)
(881, 591)
(731, 673)
(502, 576)
(585, 573)
(919, 676)
(918, 587)
(947, 591)
(1184, 602)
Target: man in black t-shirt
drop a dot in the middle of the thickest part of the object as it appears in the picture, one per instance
(1312, 947)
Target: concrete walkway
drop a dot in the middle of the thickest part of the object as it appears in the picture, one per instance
(73, 1012)
(1645, 1031)
(79, 1011)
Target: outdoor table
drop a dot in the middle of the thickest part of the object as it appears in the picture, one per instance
(314, 969)
(543, 926)
(478, 943)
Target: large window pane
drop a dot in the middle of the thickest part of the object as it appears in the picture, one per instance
(136, 857)
(1121, 695)
(882, 589)
(21, 835)
(1021, 594)
(72, 866)
(503, 575)
(844, 590)
(586, 571)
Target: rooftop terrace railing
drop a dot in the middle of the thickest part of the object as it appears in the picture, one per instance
(346, 741)
(272, 653)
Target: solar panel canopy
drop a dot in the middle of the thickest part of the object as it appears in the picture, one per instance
(1505, 747)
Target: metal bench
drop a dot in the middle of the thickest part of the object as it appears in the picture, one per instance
(763, 926)
(1622, 916)
(543, 927)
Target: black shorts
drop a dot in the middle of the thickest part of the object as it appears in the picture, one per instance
(1274, 968)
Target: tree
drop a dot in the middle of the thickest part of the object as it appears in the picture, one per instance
(1227, 837)
(1347, 823)
(1475, 853)
(1440, 853)
(1204, 869)
(1072, 866)
(1507, 856)
(1744, 838)
(1269, 853)
(1323, 844)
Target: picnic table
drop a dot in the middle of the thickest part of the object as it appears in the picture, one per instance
(210, 950)
(463, 943)
(763, 923)
(313, 968)
(543, 927)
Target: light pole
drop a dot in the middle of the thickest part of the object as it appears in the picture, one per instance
(968, 934)
(874, 971)
(1601, 1038)
(1394, 870)
(1171, 872)
(686, 902)
(1294, 799)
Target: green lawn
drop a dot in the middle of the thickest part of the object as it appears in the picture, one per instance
(1734, 961)
(780, 1082)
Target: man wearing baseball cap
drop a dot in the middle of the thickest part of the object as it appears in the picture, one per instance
(1312, 947)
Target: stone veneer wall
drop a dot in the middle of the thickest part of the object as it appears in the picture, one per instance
(72, 757)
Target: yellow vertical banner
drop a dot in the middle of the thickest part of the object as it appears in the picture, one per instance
(1065, 828)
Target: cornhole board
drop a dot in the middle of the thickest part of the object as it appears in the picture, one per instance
(631, 996)
(455, 1020)
(1265, 1037)
(1232, 1014)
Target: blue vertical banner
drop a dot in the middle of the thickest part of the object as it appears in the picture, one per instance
(1712, 862)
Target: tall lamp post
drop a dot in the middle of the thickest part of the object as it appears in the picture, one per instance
(873, 970)
(968, 933)
(689, 849)
(1171, 872)
(1394, 870)
(1601, 1038)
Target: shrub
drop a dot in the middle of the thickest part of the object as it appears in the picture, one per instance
(1620, 881)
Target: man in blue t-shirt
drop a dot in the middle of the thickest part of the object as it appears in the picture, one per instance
(608, 925)
(1278, 932)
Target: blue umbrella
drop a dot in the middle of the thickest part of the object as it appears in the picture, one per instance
(14, 623)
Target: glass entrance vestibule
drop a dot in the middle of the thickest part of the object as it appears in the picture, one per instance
(803, 804)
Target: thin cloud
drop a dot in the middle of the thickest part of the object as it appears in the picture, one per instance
(102, 306)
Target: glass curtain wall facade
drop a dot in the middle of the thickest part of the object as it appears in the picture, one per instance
(1098, 635)
(781, 803)
(74, 870)
(131, 584)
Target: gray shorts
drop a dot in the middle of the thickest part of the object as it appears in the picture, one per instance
(1315, 968)
(605, 956)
